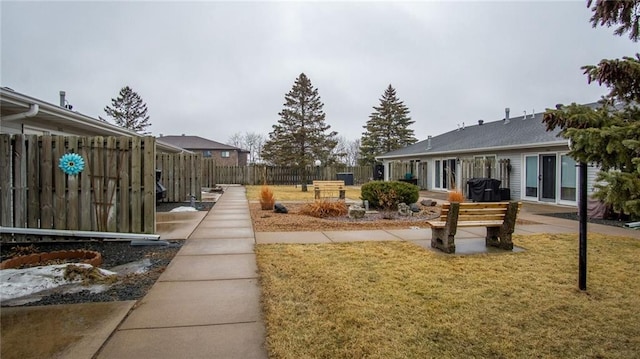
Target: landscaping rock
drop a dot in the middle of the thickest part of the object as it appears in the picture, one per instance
(404, 210)
(428, 202)
(356, 212)
(414, 208)
(280, 208)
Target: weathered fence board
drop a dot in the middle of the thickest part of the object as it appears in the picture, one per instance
(73, 203)
(115, 192)
(33, 180)
(19, 182)
(136, 185)
(5, 181)
(46, 190)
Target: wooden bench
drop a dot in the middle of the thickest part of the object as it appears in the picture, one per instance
(324, 187)
(498, 217)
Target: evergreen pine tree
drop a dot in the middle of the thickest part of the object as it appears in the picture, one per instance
(609, 136)
(300, 137)
(129, 111)
(387, 128)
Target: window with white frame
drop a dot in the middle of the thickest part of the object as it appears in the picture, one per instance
(568, 178)
(224, 154)
(206, 153)
(445, 174)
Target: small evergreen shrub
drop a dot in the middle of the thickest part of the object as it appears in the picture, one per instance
(387, 194)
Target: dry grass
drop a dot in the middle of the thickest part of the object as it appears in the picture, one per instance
(266, 198)
(398, 300)
(324, 208)
(292, 193)
(455, 196)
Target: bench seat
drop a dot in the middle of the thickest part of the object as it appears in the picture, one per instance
(442, 224)
(322, 188)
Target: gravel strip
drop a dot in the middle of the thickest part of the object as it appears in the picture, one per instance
(131, 287)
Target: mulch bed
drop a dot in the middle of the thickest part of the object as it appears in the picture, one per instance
(268, 221)
(574, 216)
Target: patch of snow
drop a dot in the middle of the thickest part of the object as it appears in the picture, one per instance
(16, 283)
(184, 209)
(137, 267)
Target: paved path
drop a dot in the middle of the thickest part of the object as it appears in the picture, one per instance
(207, 303)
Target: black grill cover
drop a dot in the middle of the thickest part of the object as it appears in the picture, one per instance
(483, 189)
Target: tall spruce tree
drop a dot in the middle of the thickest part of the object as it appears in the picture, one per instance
(609, 136)
(387, 128)
(128, 110)
(300, 137)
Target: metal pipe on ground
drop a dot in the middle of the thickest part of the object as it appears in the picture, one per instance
(83, 234)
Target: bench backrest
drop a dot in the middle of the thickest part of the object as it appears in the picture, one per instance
(483, 211)
(328, 184)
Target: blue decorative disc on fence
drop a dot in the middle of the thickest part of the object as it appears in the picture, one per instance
(71, 164)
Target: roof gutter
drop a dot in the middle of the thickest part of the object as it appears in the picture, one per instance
(33, 110)
(480, 149)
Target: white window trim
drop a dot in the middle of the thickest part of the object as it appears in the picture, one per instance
(433, 174)
(558, 179)
(559, 199)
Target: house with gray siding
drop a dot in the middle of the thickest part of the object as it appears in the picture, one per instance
(531, 162)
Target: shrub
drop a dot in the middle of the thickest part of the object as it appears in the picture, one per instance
(266, 198)
(387, 195)
(455, 196)
(324, 208)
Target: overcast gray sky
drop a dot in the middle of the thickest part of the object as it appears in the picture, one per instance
(217, 68)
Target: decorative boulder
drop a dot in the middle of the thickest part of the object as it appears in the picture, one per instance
(356, 212)
(428, 202)
(280, 208)
(404, 210)
(414, 208)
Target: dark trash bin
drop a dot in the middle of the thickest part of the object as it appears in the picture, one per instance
(483, 189)
(347, 177)
(161, 191)
(378, 172)
(505, 194)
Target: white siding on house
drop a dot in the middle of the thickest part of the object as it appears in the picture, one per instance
(515, 177)
(10, 127)
(592, 173)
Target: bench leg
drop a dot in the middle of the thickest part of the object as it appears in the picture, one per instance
(342, 194)
(443, 240)
(499, 238)
(317, 193)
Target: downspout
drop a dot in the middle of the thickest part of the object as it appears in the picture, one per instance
(33, 110)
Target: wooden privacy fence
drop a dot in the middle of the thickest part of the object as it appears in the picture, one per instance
(183, 175)
(468, 168)
(114, 193)
(257, 174)
(485, 168)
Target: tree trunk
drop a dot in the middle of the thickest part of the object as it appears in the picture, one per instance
(304, 179)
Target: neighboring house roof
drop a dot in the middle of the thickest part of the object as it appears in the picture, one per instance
(60, 119)
(517, 133)
(197, 143)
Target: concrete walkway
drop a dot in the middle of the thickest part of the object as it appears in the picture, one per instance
(207, 302)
